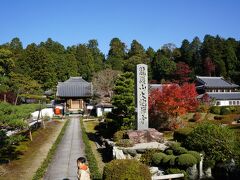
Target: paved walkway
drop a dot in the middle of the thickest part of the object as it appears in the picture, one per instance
(64, 165)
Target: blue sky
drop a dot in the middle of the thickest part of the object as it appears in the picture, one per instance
(151, 22)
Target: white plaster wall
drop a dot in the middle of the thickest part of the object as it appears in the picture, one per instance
(99, 112)
(107, 109)
(224, 103)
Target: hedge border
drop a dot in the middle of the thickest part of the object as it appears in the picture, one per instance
(42, 169)
(93, 166)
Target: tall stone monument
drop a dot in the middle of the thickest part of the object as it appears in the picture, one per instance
(141, 96)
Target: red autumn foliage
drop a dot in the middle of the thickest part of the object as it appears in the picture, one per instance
(209, 66)
(174, 100)
(182, 73)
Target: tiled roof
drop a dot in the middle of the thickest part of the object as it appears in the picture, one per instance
(212, 82)
(160, 86)
(223, 95)
(74, 87)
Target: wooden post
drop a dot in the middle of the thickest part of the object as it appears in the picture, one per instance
(30, 134)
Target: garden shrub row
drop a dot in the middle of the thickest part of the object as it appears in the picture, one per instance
(93, 166)
(42, 169)
(224, 110)
(175, 159)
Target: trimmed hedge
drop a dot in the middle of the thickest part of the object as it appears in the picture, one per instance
(169, 160)
(169, 152)
(146, 157)
(179, 150)
(158, 157)
(196, 155)
(181, 134)
(95, 174)
(123, 169)
(42, 169)
(186, 160)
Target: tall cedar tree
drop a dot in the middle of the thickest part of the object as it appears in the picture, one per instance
(116, 54)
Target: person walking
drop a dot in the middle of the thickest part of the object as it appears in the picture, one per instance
(83, 170)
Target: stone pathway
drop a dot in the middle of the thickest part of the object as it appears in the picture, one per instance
(64, 165)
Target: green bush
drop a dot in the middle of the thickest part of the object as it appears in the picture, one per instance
(215, 110)
(124, 143)
(186, 160)
(181, 134)
(225, 110)
(215, 141)
(119, 135)
(169, 160)
(93, 166)
(169, 152)
(146, 157)
(158, 157)
(179, 150)
(196, 155)
(126, 169)
(176, 171)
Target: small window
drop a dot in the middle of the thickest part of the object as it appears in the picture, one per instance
(230, 102)
(234, 103)
(237, 102)
(218, 103)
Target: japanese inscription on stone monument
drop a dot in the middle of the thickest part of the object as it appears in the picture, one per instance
(141, 86)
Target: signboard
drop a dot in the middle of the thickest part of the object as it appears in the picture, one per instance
(141, 95)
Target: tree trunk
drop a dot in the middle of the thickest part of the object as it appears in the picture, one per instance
(30, 134)
(15, 103)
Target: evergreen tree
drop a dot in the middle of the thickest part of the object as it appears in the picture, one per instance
(123, 100)
(162, 67)
(98, 56)
(85, 62)
(116, 54)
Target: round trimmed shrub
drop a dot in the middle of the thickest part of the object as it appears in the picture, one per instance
(172, 160)
(158, 157)
(225, 110)
(169, 160)
(129, 169)
(169, 151)
(119, 135)
(146, 157)
(186, 160)
(196, 155)
(215, 109)
(180, 150)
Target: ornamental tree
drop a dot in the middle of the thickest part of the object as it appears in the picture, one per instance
(217, 142)
(182, 73)
(123, 100)
(171, 101)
